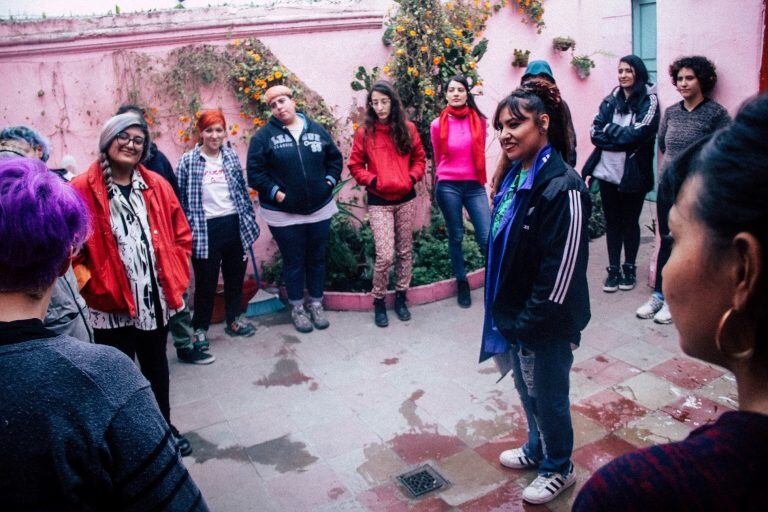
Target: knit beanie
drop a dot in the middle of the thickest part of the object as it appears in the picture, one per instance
(538, 67)
(117, 124)
(275, 91)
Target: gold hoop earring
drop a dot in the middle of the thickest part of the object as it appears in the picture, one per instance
(723, 325)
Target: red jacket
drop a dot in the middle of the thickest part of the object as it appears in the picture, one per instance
(99, 269)
(375, 156)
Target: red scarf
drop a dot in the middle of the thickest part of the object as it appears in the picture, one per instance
(476, 127)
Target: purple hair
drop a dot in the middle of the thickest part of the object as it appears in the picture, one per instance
(42, 219)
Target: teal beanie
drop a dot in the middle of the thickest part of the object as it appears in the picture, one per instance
(538, 67)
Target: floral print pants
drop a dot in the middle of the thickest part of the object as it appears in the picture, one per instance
(392, 228)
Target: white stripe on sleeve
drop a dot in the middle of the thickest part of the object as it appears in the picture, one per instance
(570, 251)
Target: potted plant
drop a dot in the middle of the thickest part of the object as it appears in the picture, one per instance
(521, 58)
(583, 65)
(563, 44)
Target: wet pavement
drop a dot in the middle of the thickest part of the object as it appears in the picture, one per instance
(325, 421)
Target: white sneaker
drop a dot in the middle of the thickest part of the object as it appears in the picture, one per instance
(650, 308)
(663, 316)
(547, 488)
(516, 459)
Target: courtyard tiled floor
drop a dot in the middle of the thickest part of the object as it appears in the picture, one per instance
(325, 421)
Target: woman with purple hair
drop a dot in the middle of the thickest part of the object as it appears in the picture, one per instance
(80, 427)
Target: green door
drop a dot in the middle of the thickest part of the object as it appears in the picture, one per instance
(644, 46)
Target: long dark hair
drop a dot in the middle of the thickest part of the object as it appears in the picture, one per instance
(539, 96)
(732, 165)
(400, 134)
(470, 97)
(639, 92)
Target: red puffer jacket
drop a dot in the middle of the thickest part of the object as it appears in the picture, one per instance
(99, 269)
(375, 156)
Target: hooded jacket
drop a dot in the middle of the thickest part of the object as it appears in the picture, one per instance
(637, 140)
(305, 172)
(540, 290)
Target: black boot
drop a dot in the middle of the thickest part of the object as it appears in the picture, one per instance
(401, 310)
(627, 282)
(380, 313)
(464, 298)
(611, 283)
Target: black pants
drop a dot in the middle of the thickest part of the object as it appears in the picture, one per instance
(149, 348)
(622, 222)
(663, 205)
(225, 254)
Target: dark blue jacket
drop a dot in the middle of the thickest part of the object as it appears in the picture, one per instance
(306, 172)
(541, 292)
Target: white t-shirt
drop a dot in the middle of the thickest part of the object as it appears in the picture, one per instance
(610, 168)
(217, 201)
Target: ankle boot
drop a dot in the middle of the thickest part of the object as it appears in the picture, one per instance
(611, 283)
(463, 298)
(380, 313)
(401, 310)
(628, 280)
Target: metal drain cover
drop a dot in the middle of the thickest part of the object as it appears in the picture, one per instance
(422, 480)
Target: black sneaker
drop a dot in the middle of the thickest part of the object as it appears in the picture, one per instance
(380, 313)
(629, 279)
(194, 356)
(200, 340)
(185, 448)
(464, 298)
(401, 310)
(611, 283)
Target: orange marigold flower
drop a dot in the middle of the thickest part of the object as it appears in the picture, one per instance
(436, 61)
(447, 41)
(278, 74)
(415, 72)
(184, 119)
(255, 120)
(355, 126)
(423, 49)
(198, 114)
(386, 69)
(247, 90)
(399, 29)
(428, 91)
(186, 139)
(182, 132)
(472, 65)
(412, 33)
(400, 52)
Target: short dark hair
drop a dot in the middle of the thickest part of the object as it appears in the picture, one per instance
(131, 107)
(42, 219)
(732, 165)
(702, 67)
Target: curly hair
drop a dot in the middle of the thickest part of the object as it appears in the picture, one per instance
(702, 67)
(400, 133)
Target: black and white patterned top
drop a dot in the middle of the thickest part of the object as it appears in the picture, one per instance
(130, 223)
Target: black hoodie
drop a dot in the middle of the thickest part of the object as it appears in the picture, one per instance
(306, 172)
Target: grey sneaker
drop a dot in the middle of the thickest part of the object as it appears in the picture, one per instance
(240, 328)
(317, 313)
(301, 319)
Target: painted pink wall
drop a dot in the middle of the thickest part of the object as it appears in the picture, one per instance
(74, 62)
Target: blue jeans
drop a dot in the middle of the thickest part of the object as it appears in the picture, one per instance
(541, 378)
(302, 247)
(452, 197)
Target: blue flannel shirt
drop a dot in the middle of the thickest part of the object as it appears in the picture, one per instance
(190, 173)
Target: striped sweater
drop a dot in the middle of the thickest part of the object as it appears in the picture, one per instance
(80, 429)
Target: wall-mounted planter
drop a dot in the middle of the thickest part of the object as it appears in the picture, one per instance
(563, 44)
(583, 65)
(521, 57)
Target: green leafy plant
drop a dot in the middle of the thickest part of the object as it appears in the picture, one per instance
(365, 80)
(596, 224)
(521, 57)
(583, 65)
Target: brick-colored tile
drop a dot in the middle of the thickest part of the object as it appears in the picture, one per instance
(695, 411)
(606, 370)
(687, 373)
(610, 409)
(595, 455)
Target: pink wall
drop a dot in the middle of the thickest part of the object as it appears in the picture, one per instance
(77, 63)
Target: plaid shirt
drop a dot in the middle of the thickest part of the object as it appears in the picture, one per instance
(190, 173)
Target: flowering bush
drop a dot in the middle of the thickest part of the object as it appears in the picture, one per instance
(533, 10)
(431, 42)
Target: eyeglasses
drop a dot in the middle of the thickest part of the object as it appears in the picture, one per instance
(123, 139)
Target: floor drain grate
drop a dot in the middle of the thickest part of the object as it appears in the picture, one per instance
(422, 480)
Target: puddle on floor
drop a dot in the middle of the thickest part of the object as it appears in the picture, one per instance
(285, 373)
(204, 450)
(283, 454)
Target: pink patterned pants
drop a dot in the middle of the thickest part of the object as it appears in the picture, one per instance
(392, 228)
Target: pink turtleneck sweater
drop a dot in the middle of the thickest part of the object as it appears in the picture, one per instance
(456, 164)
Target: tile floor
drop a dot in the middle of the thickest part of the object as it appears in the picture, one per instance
(324, 421)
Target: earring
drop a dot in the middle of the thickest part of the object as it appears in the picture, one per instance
(542, 130)
(728, 321)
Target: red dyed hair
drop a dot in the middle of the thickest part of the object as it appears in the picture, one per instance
(209, 118)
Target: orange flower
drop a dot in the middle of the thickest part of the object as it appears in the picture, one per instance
(256, 120)
(399, 29)
(355, 126)
(256, 57)
(400, 52)
(186, 139)
(184, 119)
(412, 33)
(247, 90)
(436, 61)
(415, 72)
(241, 79)
(472, 65)
(386, 69)
(256, 96)
(278, 75)
(198, 114)
(447, 41)
(423, 49)
(468, 24)
(182, 132)
(428, 91)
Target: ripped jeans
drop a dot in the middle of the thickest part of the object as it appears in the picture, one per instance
(542, 380)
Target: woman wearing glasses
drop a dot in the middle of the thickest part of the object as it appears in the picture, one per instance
(388, 159)
(134, 268)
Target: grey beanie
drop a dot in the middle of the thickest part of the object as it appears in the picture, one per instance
(117, 124)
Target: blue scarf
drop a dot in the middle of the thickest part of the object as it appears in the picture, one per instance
(493, 342)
